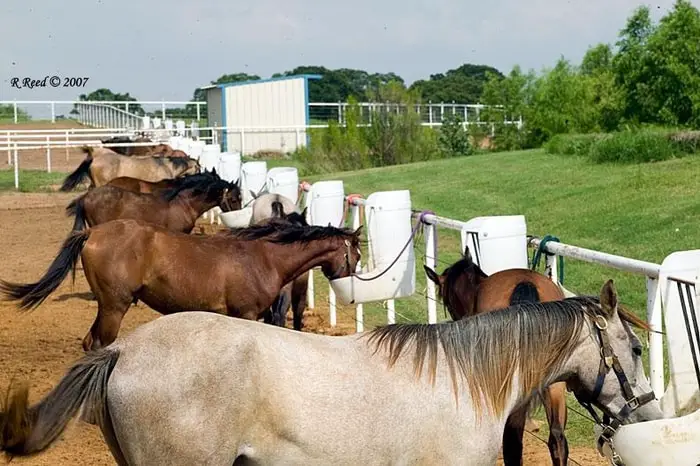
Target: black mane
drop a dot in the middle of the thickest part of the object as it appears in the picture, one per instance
(199, 183)
(284, 232)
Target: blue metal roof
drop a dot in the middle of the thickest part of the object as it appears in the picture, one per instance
(306, 77)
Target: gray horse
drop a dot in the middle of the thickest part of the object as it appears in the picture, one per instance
(266, 206)
(203, 388)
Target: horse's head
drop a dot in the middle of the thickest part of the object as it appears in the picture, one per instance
(343, 260)
(458, 285)
(618, 385)
(231, 198)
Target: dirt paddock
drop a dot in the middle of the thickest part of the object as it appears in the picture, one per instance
(39, 346)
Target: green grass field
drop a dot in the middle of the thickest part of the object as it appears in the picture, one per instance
(638, 211)
(30, 180)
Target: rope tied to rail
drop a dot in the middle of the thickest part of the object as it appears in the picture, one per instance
(537, 255)
(419, 222)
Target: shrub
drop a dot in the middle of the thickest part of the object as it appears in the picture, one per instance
(572, 144)
(633, 147)
(453, 138)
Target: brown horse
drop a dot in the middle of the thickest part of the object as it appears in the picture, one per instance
(128, 150)
(466, 291)
(101, 165)
(136, 185)
(238, 274)
(176, 208)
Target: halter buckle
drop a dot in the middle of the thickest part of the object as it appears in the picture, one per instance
(600, 322)
(633, 403)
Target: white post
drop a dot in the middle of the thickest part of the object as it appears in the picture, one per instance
(53, 112)
(359, 309)
(331, 306)
(9, 149)
(391, 312)
(242, 143)
(551, 269)
(310, 287)
(656, 340)
(48, 154)
(430, 261)
(16, 166)
(67, 143)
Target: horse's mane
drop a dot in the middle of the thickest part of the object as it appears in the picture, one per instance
(487, 349)
(203, 182)
(284, 232)
(451, 294)
(179, 162)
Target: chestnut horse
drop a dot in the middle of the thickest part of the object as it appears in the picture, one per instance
(466, 291)
(101, 165)
(238, 274)
(176, 208)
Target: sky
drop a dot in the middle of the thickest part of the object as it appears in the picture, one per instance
(164, 49)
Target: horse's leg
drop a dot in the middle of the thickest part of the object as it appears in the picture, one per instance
(107, 322)
(280, 306)
(299, 290)
(513, 437)
(554, 400)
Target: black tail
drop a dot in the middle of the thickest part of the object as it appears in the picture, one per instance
(77, 208)
(277, 209)
(524, 292)
(79, 174)
(26, 430)
(33, 294)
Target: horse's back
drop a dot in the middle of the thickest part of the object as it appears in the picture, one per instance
(195, 384)
(514, 286)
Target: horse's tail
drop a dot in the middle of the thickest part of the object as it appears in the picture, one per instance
(77, 208)
(80, 173)
(524, 292)
(26, 430)
(33, 294)
(277, 209)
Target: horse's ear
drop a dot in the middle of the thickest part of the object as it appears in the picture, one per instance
(303, 212)
(467, 254)
(356, 232)
(213, 171)
(252, 193)
(432, 275)
(608, 298)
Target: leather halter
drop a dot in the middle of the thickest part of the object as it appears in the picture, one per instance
(608, 360)
(346, 263)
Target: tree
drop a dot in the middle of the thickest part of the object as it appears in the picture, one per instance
(461, 85)
(104, 94)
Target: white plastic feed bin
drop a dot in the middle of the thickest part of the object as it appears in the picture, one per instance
(209, 159)
(388, 220)
(237, 218)
(253, 177)
(327, 203)
(230, 166)
(497, 243)
(284, 181)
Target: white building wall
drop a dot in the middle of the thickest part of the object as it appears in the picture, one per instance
(215, 115)
(263, 105)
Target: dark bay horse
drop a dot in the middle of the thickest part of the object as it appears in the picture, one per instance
(101, 165)
(466, 291)
(176, 208)
(273, 205)
(238, 274)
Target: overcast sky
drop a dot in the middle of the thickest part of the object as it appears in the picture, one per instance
(163, 49)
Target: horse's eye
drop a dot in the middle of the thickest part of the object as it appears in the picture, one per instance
(637, 350)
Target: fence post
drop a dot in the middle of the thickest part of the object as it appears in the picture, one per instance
(16, 166)
(15, 111)
(67, 144)
(310, 287)
(53, 112)
(9, 149)
(48, 154)
(359, 309)
(656, 340)
(430, 261)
